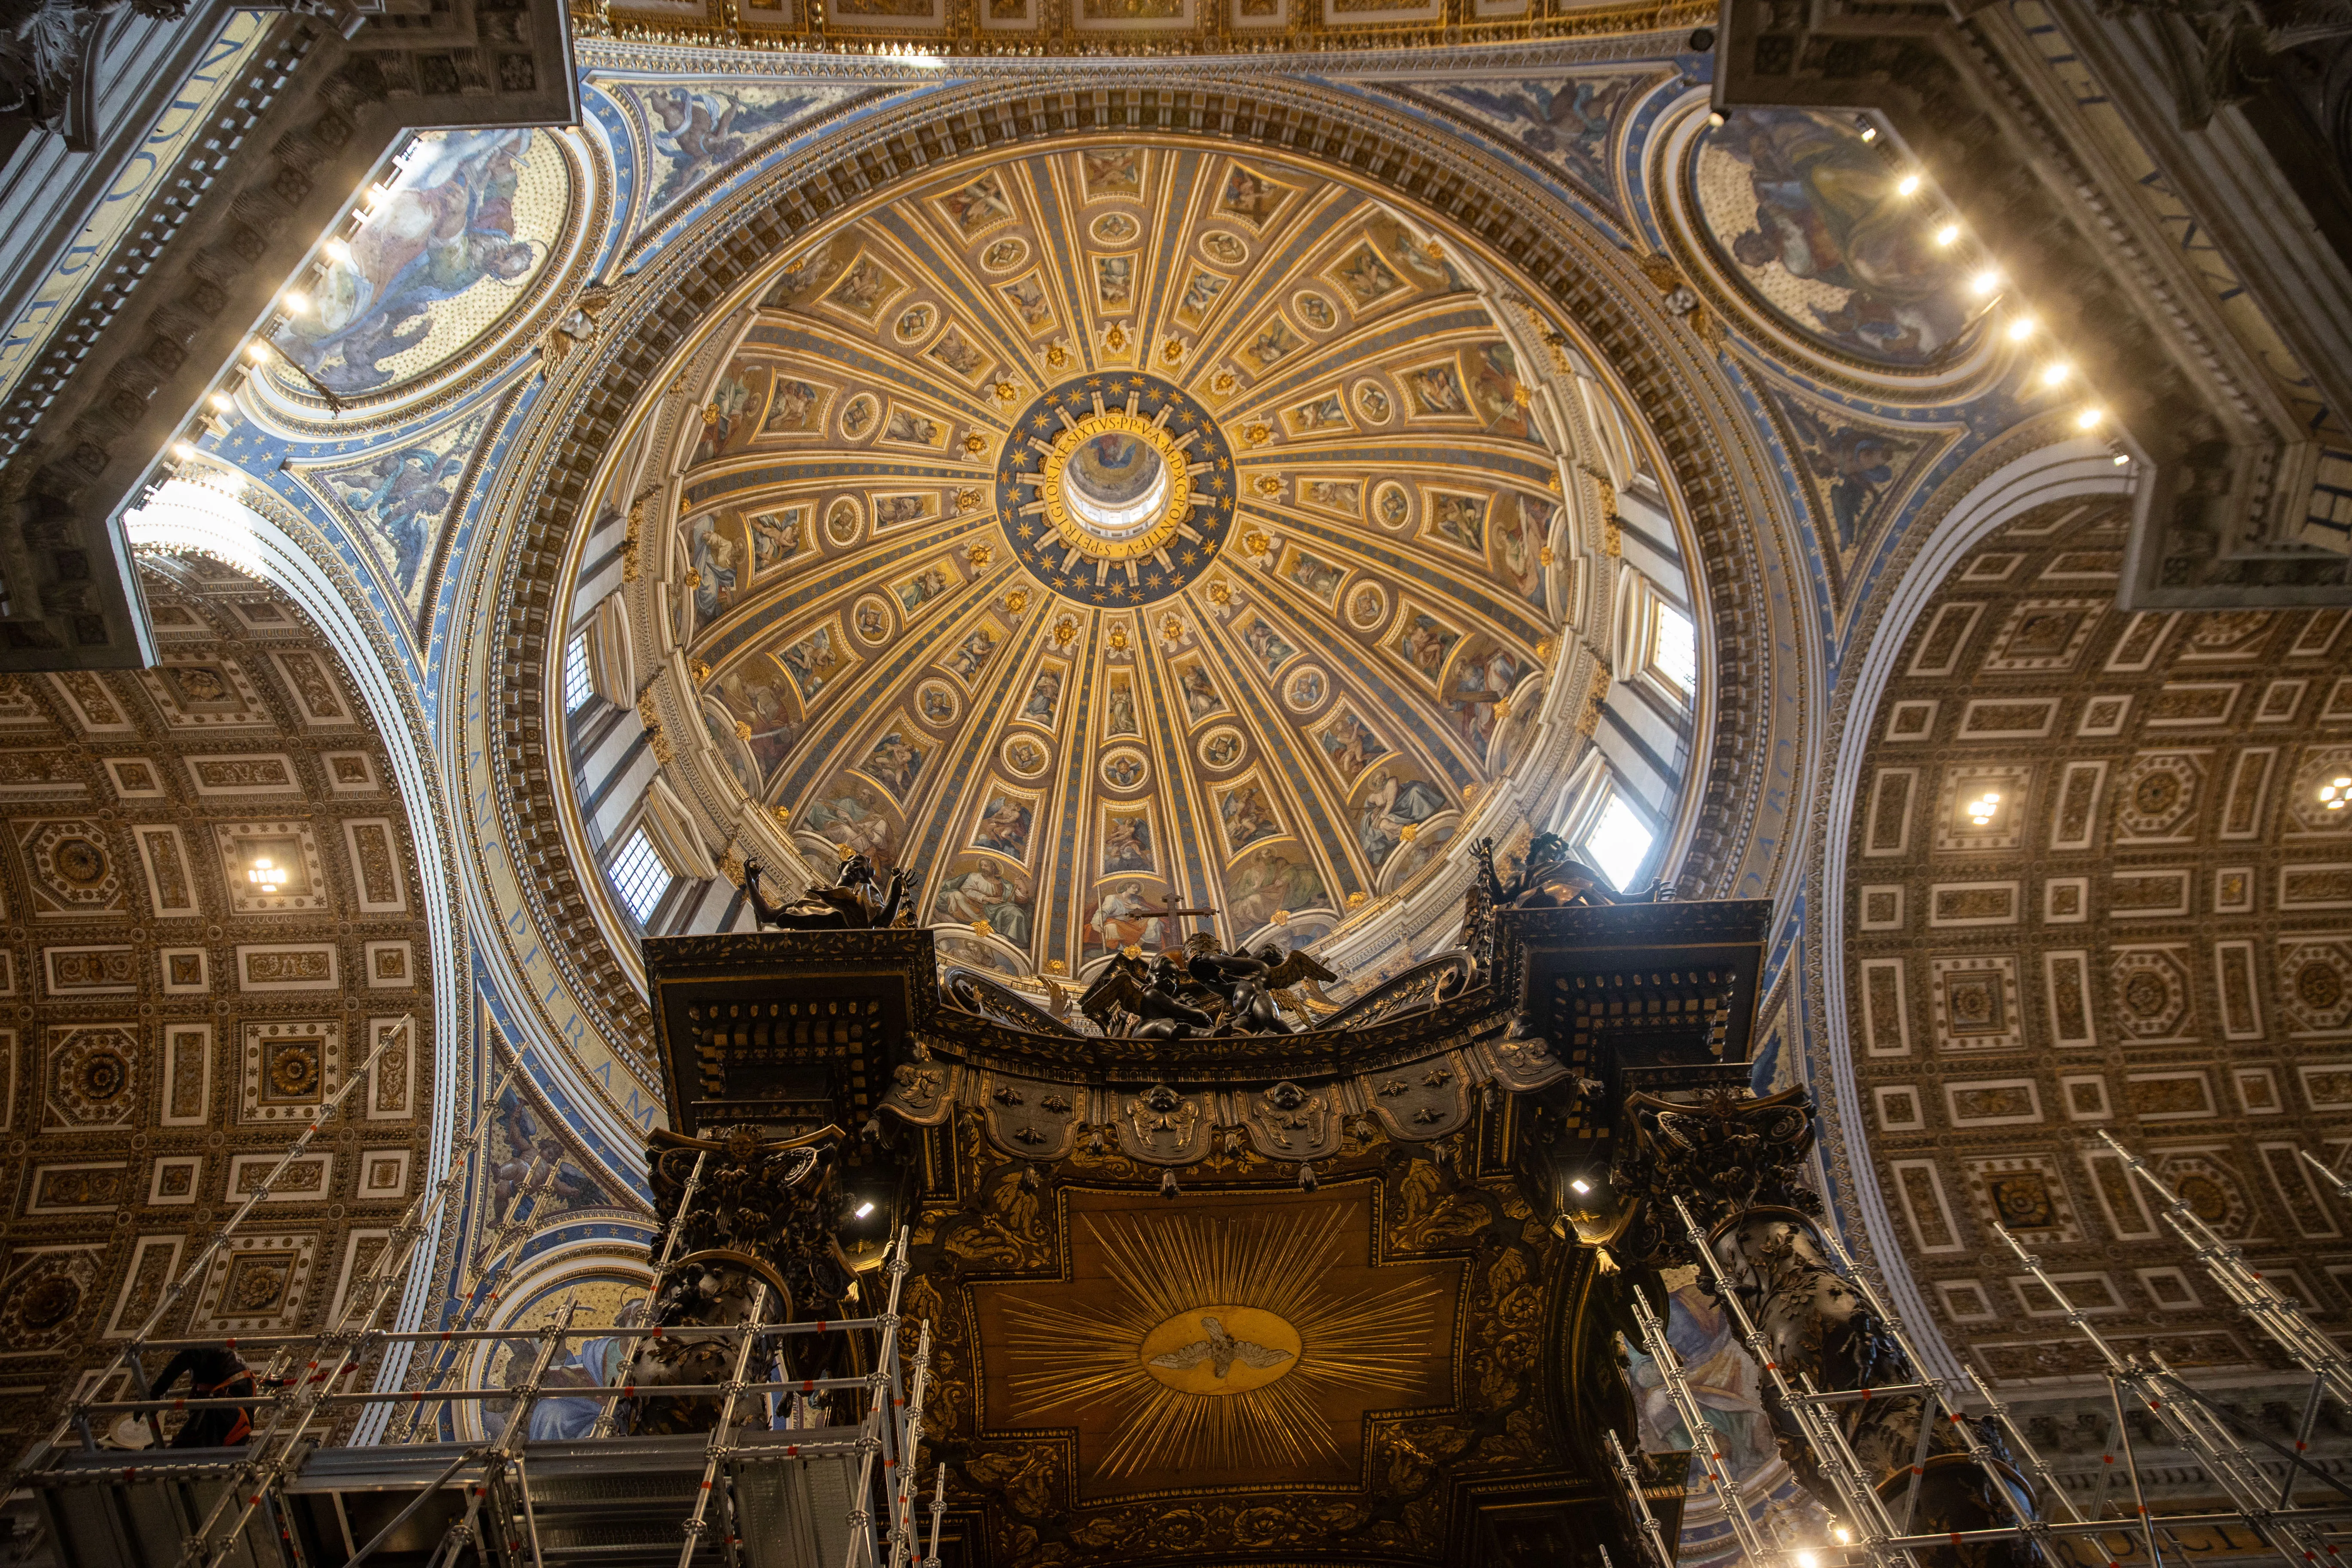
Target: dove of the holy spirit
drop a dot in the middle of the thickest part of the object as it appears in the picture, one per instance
(1220, 1350)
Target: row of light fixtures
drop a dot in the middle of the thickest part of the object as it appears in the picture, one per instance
(294, 301)
(1987, 285)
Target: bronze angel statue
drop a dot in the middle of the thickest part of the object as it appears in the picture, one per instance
(1204, 991)
(855, 900)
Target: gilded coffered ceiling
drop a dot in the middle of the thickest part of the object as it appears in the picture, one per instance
(215, 917)
(2093, 886)
(1133, 525)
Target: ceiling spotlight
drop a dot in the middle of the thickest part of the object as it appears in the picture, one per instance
(182, 450)
(2021, 329)
(1809, 1560)
(865, 1209)
(2055, 373)
(1869, 132)
(1581, 1187)
(2123, 459)
(1715, 118)
(1982, 809)
(2336, 794)
(1948, 233)
(1908, 185)
(262, 874)
(2089, 418)
(222, 401)
(336, 250)
(257, 351)
(297, 301)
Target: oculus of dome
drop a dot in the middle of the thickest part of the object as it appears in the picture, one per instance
(1138, 487)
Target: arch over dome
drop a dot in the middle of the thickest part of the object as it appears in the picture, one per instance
(1132, 527)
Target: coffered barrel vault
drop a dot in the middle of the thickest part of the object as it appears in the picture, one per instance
(215, 919)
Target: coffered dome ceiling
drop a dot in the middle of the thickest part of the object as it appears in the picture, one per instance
(1125, 523)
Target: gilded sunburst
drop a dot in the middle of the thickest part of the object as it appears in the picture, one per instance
(1224, 1341)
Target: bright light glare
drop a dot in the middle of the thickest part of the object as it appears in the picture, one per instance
(2056, 374)
(1948, 233)
(1809, 1560)
(1674, 650)
(1870, 133)
(865, 1209)
(182, 450)
(262, 874)
(1580, 1186)
(222, 401)
(2021, 329)
(1842, 1534)
(297, 301)
(257, 351)
(1982, 809)
(2336, 794)
(2089, 418)
(1618, 843)
(336, 250)
(1986, 281)
(1908, 185)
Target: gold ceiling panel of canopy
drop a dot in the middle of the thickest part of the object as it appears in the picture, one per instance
(1123, 526)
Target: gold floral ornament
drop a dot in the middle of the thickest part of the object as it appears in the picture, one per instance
(1066, 632)
(1172, 353)
(1520, 395)
(1355, 900)
(1055, 966)
(710, 413)
(700, 669)
(1544, 647)
(1412, 830)
(731, 868)
(1257, 433)
(1016, 601)
(1115, 339)
(975, 443)
(1221, 592)
(966, 500)
(1132, 950)
(1282, 917)
(1172, 629)
(1224, 382)
(1268, 484)
(979, 555)
(1547, 556)
(1006, 392)
(1119, 639)
(1058, 356)
(1254, 542)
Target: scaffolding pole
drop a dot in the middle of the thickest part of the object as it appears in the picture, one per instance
(76, 1413)
(1653, 1537)
(2280, 1317)
(1705, 1442)
(1832, 1456)
(2290, 1531)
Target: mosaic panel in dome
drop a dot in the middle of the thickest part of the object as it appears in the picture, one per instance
(1813, 225)
(452, 245)
(1213, 475)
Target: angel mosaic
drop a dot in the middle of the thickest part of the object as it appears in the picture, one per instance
(447, 226)
(977, 205)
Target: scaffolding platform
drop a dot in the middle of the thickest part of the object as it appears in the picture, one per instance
(615, 1502)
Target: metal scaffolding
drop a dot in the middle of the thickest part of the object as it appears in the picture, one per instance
(786, 1497)
(2303, 1533)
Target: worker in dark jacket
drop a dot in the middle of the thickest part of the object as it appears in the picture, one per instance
(212, 1374)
